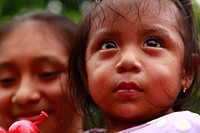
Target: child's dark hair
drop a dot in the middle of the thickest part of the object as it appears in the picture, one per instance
(62, 26)
(77, 70)
(190, 38)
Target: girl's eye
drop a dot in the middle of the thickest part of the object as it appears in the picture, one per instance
(6, 82)
(152, 43)
(108, 45)
(49, 75)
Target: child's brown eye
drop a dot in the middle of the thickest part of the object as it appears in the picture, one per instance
(108, 45)
(152, 43)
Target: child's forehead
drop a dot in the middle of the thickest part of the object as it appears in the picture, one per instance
(137, 3)
(110, 12)
(113, 11)
(134, 15)
(141, 8)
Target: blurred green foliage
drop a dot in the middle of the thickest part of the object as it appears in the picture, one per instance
(197, 12)
(70, 8)
(9, 8)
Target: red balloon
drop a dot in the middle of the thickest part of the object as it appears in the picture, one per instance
(23, 126)
(2, 130)
(26, 126)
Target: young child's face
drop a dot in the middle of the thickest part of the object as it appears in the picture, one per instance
(134, 63)
(31, 62)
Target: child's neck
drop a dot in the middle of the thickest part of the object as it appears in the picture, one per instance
(114, 125)
(119, 125)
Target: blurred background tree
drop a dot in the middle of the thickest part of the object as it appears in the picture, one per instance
(70, 8)
(197, 11)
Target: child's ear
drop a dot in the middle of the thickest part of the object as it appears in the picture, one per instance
(188, 75)
(186, 81)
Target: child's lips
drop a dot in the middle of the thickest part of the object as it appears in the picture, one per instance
(127, 89)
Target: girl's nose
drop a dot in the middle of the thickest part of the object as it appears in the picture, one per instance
(26, 93)
(128, 62)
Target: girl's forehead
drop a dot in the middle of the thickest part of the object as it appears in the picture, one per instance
(134, 9)
(135, 3)
(110, 12)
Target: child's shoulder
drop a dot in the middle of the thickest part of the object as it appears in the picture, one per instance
(182, 115)
(183, 121)
(177, 122)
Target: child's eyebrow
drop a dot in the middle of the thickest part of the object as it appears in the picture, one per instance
(104, 33)
(153, 30)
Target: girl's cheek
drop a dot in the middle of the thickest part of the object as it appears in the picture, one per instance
(5, 97)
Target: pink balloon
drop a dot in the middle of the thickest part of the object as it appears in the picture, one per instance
(26, 126)
(2, 130)
(23, 126)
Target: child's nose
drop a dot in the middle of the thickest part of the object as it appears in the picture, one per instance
(26, 93)
(129, 61)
